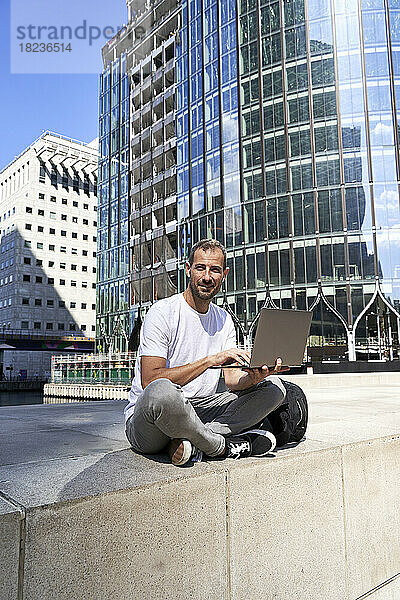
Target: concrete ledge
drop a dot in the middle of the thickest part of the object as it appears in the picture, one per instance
(315, 522)
(278, 528)
(10, 535)
(345, 380)
(55, 393)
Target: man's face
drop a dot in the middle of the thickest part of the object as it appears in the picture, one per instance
(206, 273)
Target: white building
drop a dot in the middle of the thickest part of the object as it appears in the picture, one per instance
(48, 225)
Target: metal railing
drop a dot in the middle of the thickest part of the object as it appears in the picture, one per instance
(94, 369)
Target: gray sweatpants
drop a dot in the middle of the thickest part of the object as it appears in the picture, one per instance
(162, 412)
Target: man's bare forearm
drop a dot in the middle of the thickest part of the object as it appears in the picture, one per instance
(181, 375)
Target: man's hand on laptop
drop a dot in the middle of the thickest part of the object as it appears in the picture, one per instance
(230, 357)
(257, 375)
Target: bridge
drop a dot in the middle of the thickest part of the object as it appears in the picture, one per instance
(21, 339)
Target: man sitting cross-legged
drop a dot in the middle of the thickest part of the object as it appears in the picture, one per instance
(173, 399)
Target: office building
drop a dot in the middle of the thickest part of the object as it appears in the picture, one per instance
(272, 126)
(48, 223)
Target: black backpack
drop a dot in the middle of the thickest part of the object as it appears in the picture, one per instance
(289, 421)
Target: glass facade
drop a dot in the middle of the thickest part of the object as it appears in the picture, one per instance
(280, 138)
(113, 280)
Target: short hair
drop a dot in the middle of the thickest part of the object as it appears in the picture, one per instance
(207, 245)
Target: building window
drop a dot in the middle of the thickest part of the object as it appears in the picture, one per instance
(52, 247)
(85, 222)
(26, 278)
(84, 253)
(42, 174)
(62, 281)
(61, 303)
(94, 286)
(62, 265)
(74, 219)
(27, 244)
(39, 263)
(64, 201)
(37, 325)
(52, 231)
(93, 328)
(52, 215)
(63, 249)
(50, 303)
(72, 305)
(65, 179)
(73, 283)
(85, 237)
(28, 209)
(41, 196)
(84, 269)
(53, 199)
(94, 238)
(53, 177)
(63, 233)
(94, 254)
(72, 327)
(49, 326)
(39, 246)
(24, 324)
(28, 226)
(50, 280)
(74, 235)
(75, 204)
(40, 229)
(83, 305)
(94, 269)
(84, 284)
(86, 206)
(38, 302)
(61, 327)
(25, 301)
(74, 250)
(51, 263)
(40, 212)
(39, 279)
(95, 223)
(83, 327)
(73, 267)
(27, 261)
(63, 217)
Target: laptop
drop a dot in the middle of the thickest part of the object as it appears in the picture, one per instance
(281, 333)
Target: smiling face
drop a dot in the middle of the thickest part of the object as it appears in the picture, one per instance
(206, 273)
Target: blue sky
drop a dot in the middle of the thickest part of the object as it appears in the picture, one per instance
(29, 104)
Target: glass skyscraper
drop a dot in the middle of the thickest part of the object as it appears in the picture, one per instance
(278, 135)
(113, 297)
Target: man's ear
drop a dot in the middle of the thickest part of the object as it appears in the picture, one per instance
(225, 273)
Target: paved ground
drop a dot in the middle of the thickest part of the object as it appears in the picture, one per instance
(51, 453)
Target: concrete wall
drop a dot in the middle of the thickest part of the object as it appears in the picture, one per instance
(311, 524)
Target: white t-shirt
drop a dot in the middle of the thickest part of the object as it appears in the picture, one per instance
(175, 331)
